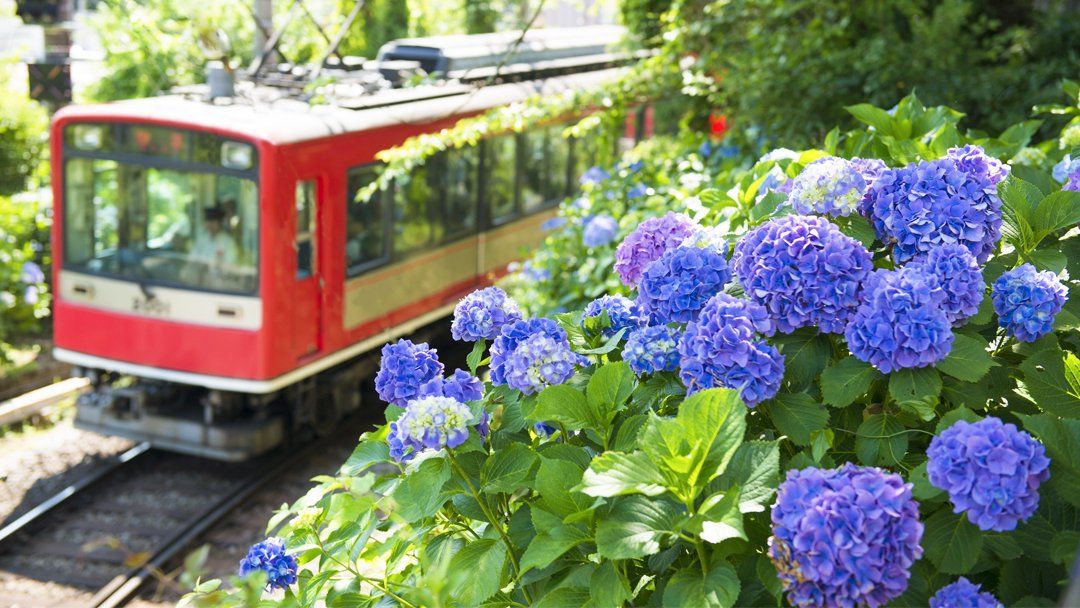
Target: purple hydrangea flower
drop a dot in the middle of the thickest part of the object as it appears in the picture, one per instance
(432, 423)
(647, 242)
(482, 314)
(804, 270)
(964, 594)
(675, 287)
(531, 355)
(599, 231)
(271, 557)
(622, 312)
(534, 273)
(31, 274)
(31, 295)
(991, 471)
(960, 277)
(594, 175)
(652, 349)
(1073, 182)
(844, 537)
(403, 369)
(1065, 167)
(723, 349)
(949, 200)
(461, 385)
(1027, 301)
(829, 186)
(869, 168)
(902, 321)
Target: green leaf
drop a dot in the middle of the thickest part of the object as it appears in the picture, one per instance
(914, 383)
(806, 351)
(1018, 202)
(609, 388)
(508, 469)
(716, 420)
(368, 452)
(720, 518)
(485, 560)
(858, 228)
(566, 405)
(1062, 440)
(476, 356)
(960, 413)
(618, 473)
(1059, 210)
(846, 381)
(969, 359)
(419, 494)
(921, 486)
(1046, 380)
(565, 596)
(951, 542)
(765, 207)
(636, 527)
(873, 116)
(688, 587)
(553, 539)
(554, 481)
(881, 440)
(755, 469)
(797, 415)
(608, 587)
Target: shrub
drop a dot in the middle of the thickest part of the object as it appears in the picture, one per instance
(24, 264)
(24, 137)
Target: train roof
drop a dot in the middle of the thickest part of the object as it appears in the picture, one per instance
(288, 120)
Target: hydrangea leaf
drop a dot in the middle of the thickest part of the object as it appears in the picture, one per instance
(719, 518)
(1018, 202)
(858, 228)
(420, 493)
(846, 381)
(873, 116)
(806, 351)
(636, 527)
(688, 587)
(755, 469)
(951, 542)
(369, 451)
(797, 415)
(608, 587)
(568, 406)
(914, 383)
(553, 482)
(608, 390)
(1057, 210)
(1062, 440)
(1036, 535)
(484, 560)
(716, 419)
(565, 596)
(881, 441)
(1046, 380)
(1063, 547)
(618, 473)
(553, 539)
(508, 469)
(921, 487)
(968, 360)
(960, 413)
(476, 356)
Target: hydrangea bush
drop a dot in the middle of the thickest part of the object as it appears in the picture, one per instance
(775, 404)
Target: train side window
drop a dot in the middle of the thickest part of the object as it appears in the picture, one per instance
(366, 222)
(305, 228)
(500, 177)
(558, 166)
(534, 170)
(461, 171)
(417, 196)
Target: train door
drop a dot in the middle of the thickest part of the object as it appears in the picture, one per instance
(306, 295)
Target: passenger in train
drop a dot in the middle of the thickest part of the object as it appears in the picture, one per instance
(214, 250)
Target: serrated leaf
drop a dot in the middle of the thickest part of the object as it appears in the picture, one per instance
(420, 493)
(755, 469)
(553, 539)
(969, 359)
(367, 453)
(508, 469)
(484, 559)
(921, 487)
(608, 586)
(476, 355)
(562, 597)
(720, 517)
(1058, 210)
(1061, 437)
(689, 587)
(881, 441)
(914, 383)
(805, 351)
(609, 388)
(1018, 202)
(846, 381)
(1046, 381)
(566, 405)
(636, 527)
(873, 116)
(554, 482)
(797, 415)
(951, 542)
(619, 473)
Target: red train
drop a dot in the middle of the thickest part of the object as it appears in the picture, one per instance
(213, 252)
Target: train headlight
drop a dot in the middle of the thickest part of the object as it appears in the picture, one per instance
(236, 155)
(88, 137)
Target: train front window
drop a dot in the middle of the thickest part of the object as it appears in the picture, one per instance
(161, 219)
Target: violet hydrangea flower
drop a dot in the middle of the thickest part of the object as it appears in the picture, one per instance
(532, 355)
(960, 277)
(461, 385)
(1027, 301)
(622, 312)
(991, 471)
(723, 349)
(404, 367)
(31, 273)
(482, 314)
(973, 160)
(271, 557)
(844, 537)
(964, 594)
(599, 231)
(1073, 181)
(652, 349)
(902, 321)
(676, 286)
(431, 423)
(804, 270)
(647, 242)
(829, 186)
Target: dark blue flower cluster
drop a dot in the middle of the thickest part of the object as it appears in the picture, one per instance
(429, 423)
(723, 349)
(652, 349)
(803, 270)
(949, 200)
(960, 277)
(844, 537)
(621, 311)
(964, 594)
(647, 242)
(271, 557)
(461, 385)
(599, 230)
(829, 186)
(901, 322)
(533, 354)
(991, 471)
(676, 286)
(482, 314)
(1027, 301)
(404, 368)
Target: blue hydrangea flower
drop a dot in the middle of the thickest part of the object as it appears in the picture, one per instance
(844, 537)
(964, 594)
(869, 168)
(403, 369)
(539, 360)
(647, 242)
(635, 166)
(553, 224)
(949, 200)
(482, 314)
(960, 277)
(804, 270)
(637, 191)
(1026, 302)
(707, 236)
(599, 231)
(594, 175)
(431, 423)
(31, 273)
(652, 349)
(901, 322)
(622, 312)
(271, 557)
(1064, 168)
(829, 186)
(991, 471)
(675, 287)
(723, 349)
(461, 385)
(1073, 182)
(534, 273)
